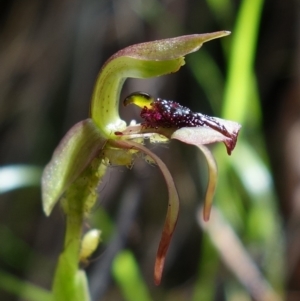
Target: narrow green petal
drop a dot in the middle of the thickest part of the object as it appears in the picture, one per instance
(75, 151)
(172, 211)
(212, 181)
(199, 136)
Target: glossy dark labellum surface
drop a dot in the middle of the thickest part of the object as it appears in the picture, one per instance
(160, 114)
(167, 113)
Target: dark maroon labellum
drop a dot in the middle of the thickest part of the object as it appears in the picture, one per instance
(167, 113)
(160, 113)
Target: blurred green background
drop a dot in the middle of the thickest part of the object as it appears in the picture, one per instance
(50, 54)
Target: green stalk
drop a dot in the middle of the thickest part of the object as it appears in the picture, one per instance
(70, 282)
(65, 284)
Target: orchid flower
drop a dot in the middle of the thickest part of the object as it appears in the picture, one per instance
(80, 159)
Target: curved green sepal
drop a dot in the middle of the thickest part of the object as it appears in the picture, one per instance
(143, 60)
(169, 49)
(105, 100)
(172, 211)
(75, 151)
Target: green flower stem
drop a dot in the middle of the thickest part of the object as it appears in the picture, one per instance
(74, 223)
(65, 285)
(69, 283)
